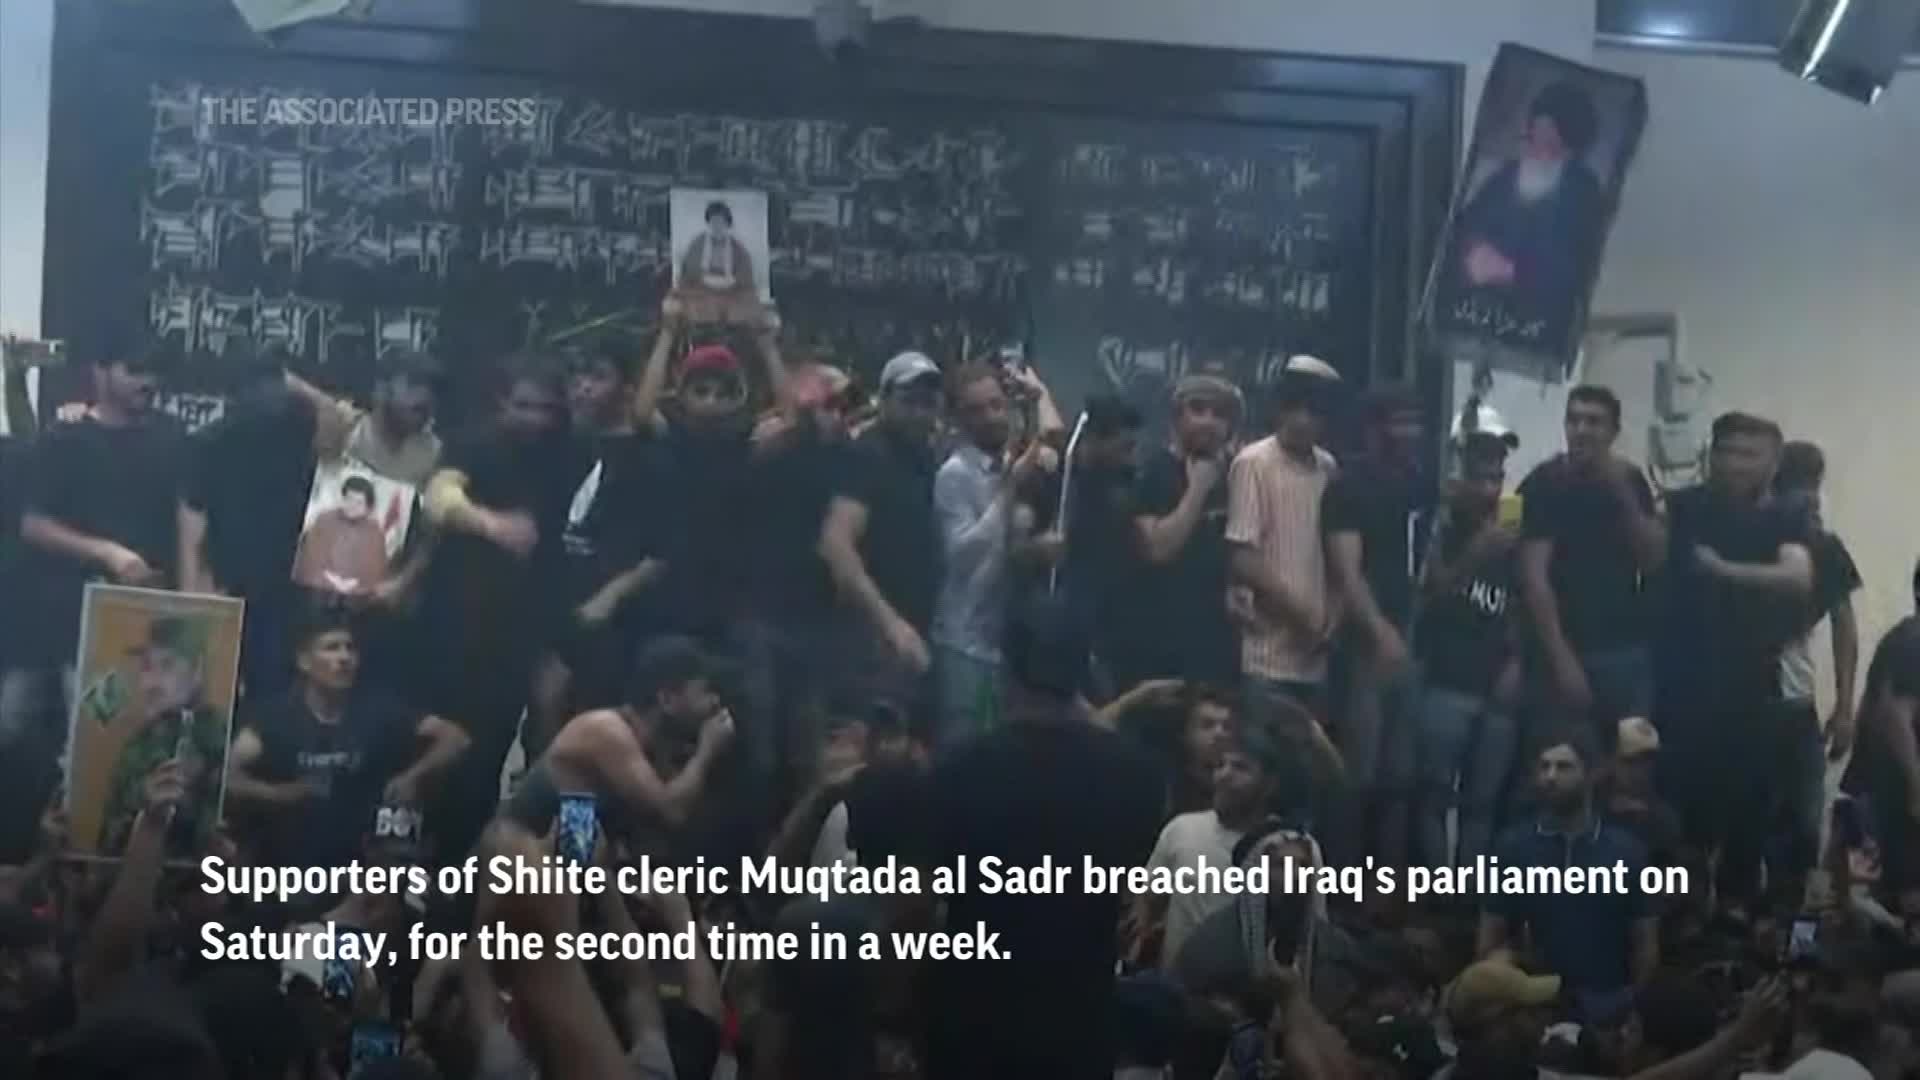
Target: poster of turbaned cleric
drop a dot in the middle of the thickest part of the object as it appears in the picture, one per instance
(356, 525)
(1516, 267)
(154, 683)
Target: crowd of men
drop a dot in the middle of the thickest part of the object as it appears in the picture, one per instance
(752, 610)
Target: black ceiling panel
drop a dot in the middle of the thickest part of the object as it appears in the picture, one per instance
(1740, 24)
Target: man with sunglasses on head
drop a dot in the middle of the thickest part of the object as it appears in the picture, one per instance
(880, 540)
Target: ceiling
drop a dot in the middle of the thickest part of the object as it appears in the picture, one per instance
(1709, 24)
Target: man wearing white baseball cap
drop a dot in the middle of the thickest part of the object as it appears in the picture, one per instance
(880, 540)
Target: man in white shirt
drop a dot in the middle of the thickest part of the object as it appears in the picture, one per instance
(1243, 787)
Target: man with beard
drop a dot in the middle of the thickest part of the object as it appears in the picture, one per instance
(499, 502)
(1180, 517)
(1590, 536)
(974, 497)
(345, 549)
(101, 504)
(396, 438)
(608, 559)
(1600, 944)
(309, 768)
(646, 762)
(1375, 515)
(880, 540)
(1738, 578)
(1533, 229)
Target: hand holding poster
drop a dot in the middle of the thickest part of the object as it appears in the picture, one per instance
(1522, 249)
(156, 679)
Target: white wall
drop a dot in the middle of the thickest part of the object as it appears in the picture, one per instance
(1783, 224)
(26, 42)
(1455, 31)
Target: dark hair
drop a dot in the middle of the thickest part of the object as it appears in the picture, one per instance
(1572, 111)
(965, 375)
(1677, 1013)
(1380, 404)
(665, 663)
(1047, 649)
(1576, 737)
(358, 485)
(1590, 394)
(161, 358)
(320, 616)
(718, 209)
(1111, 414)
(1847, 1022)
(406, 365)
(537, 368)
(1802, 467)
(1735, 425)
(1207, 693)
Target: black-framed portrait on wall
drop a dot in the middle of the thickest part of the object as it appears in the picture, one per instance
(1553, 141)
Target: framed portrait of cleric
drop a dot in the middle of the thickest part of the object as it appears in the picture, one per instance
(1515, 269)
(721, 256)
(356, 525)
(154, 682)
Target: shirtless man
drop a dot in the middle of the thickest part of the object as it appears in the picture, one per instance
(611, 753)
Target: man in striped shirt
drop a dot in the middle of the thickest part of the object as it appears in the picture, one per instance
(1280, 590)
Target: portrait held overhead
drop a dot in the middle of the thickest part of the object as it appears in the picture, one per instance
(877, 542)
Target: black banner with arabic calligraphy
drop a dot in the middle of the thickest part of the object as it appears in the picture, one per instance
(1522, 251)
(1128, 211)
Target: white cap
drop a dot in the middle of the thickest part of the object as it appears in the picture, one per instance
(1486, 420)
(906, 368)
(1303, 364)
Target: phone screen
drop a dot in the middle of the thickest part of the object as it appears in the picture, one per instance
(336, 979)
(1803, 939)
(372, 1042)
(578, 828)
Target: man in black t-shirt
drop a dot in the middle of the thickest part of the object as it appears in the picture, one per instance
(1046, 1011)
(609, 558)
(499, 502)
(880, 540)
(1804, 748)
(310, 766)
(1738, 578)
(1372, 515)
(1180, 514)
(1590, 536)
(241, 511)
(1465, 643)
(100, 505)
(1102, 549)
(1886, 764)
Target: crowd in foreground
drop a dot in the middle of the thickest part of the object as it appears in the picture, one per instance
(749, 611)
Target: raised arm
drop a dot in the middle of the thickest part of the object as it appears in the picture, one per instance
(1163, 538)
(648, 392)
(633, 780)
